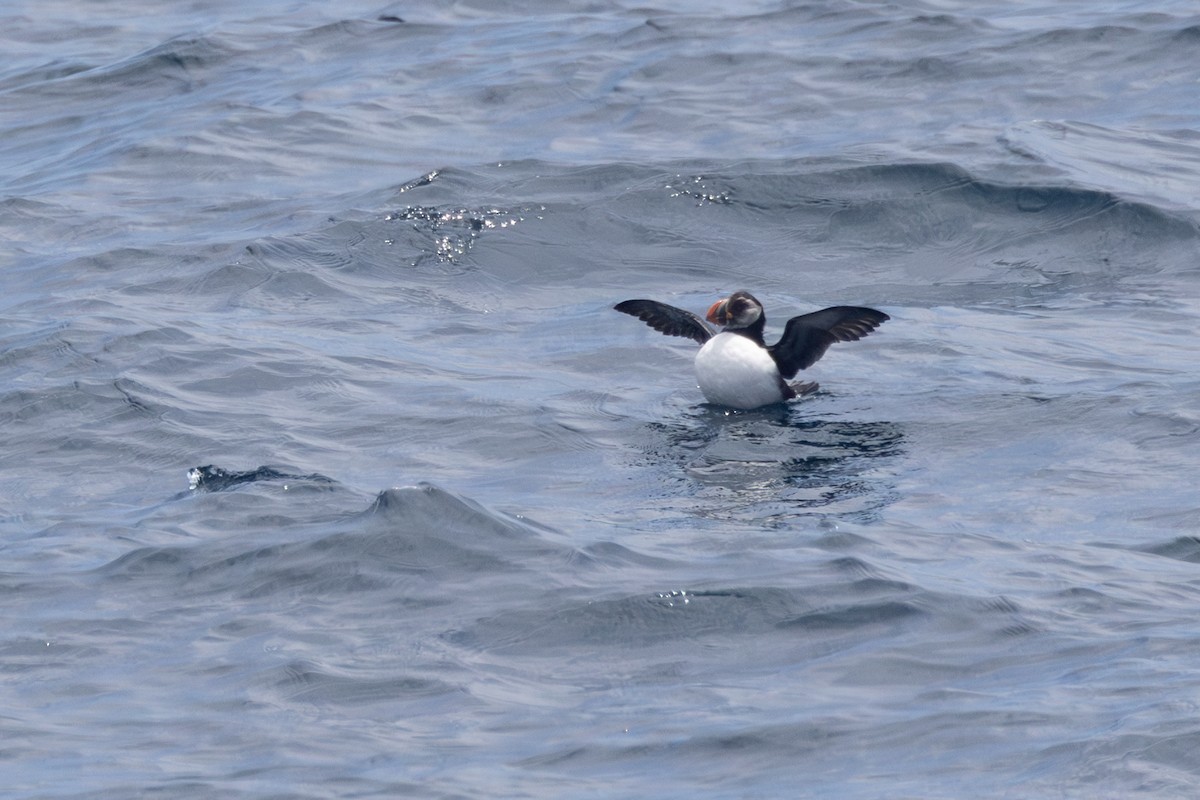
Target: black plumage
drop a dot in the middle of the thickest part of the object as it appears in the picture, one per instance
(805, 338)
(667, 319)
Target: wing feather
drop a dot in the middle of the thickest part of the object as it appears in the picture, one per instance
(808, 336)
(667, 319)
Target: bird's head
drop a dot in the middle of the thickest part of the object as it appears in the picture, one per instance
(739, 310)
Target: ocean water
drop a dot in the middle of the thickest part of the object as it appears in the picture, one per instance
(328, 470)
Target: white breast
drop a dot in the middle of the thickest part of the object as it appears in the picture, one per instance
(734, 371)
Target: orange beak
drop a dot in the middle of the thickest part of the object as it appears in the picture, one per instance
(716, 312)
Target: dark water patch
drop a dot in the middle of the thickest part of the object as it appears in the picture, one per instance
(1187, 36)
(217, 479)
(1183, 548)
(169, 69)
(853, 618)
(181, 59)
(855, 567)
(154, 562)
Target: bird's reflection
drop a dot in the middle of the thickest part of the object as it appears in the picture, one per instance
(779, 462)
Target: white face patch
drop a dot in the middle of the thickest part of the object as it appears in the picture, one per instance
(745, 313)
(741, 310)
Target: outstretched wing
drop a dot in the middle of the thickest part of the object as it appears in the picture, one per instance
(667, 319)
(808, 336)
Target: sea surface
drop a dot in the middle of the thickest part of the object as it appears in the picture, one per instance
(327, 469)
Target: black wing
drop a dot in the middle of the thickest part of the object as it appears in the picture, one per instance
(808, 336)
(667, 319)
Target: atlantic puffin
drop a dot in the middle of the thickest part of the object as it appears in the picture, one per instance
(735, 367)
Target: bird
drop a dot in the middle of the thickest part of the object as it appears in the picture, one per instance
(735, 367)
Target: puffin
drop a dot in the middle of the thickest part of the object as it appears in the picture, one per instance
(735, 367)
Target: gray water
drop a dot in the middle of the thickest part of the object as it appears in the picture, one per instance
(328, 470)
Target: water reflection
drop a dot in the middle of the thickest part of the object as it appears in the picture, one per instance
(776, 463)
